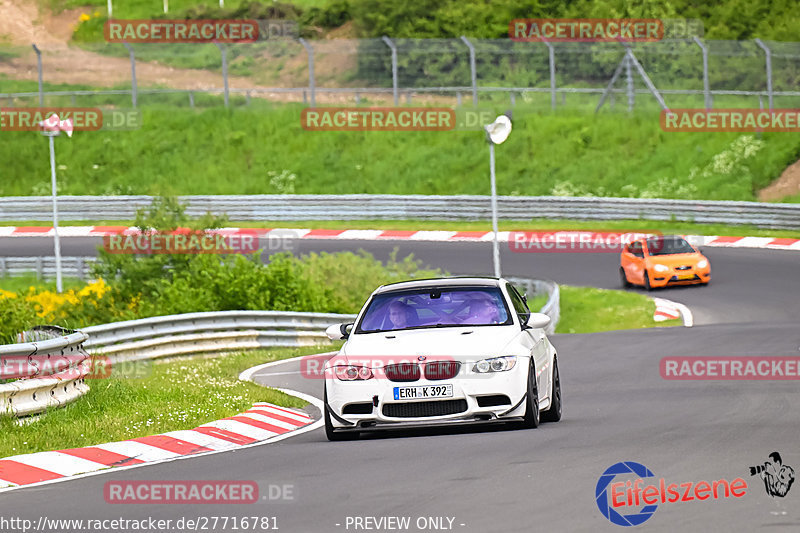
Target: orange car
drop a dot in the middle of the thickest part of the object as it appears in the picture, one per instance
(663, 260)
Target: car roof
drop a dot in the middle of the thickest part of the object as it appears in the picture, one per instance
(472, 281)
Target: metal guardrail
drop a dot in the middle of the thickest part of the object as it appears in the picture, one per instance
(398, 207)
(190, 333)
(51, 368)
(45, 267)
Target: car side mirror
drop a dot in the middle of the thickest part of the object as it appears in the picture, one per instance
(338, 332)
(538, 321)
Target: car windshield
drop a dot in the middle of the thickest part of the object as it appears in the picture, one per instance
(669, 246)
(433, 308)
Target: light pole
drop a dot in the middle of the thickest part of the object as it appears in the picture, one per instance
(51, 128)
(496, 133)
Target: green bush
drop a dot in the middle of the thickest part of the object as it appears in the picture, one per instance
(16, 316)
(163, 284)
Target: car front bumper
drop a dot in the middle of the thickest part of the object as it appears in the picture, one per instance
(680, 277)
(477, 398)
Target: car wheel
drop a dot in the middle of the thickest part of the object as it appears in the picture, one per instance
(531, 402)
(647, 281)
(553, 413)
(332, 435)
(624, 278)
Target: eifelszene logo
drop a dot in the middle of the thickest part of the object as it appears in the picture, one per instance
(778, 477)
(614, 498)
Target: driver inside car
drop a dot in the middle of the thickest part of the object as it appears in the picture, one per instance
(401, 315)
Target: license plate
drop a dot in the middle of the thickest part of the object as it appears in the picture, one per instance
(423, 393)
(686, 276)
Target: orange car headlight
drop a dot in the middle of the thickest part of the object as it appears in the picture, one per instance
(703, 263)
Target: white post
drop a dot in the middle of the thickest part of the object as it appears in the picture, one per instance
(495, 244)
(110, 11)
(221, 3)
(56, 241)
(166, 6)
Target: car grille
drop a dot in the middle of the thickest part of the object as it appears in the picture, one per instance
(402, 372)
(423, 409)
(437, 370)
(685, 267)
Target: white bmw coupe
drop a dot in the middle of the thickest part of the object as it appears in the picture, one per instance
(441, 352)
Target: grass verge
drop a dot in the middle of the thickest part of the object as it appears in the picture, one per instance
(590, 310)
(21, 284)
(174, 395)
(263, 149)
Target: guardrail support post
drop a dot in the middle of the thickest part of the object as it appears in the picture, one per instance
(768, 58)
(392, 46)
(39, 68)
(473, 71)
(311, 82)
(224, 54)
(134, 96)
(706, 83)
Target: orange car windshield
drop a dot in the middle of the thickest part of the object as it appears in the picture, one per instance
(669, 246)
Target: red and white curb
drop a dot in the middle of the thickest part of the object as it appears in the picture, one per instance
(669, 310)
(775, 243)
(264, 423)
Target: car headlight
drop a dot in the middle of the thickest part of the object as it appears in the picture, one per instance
(352, 373)
(702, 263)
(660, 268)
(495, 364)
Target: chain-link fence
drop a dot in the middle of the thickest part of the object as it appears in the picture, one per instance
(673, 73)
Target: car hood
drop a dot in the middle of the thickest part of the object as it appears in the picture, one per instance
(674, 260)
(448, 342)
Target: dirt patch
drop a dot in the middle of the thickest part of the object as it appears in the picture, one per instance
(788, 184)
(22, 23)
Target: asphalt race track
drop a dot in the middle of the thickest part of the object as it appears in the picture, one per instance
(617, 408)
